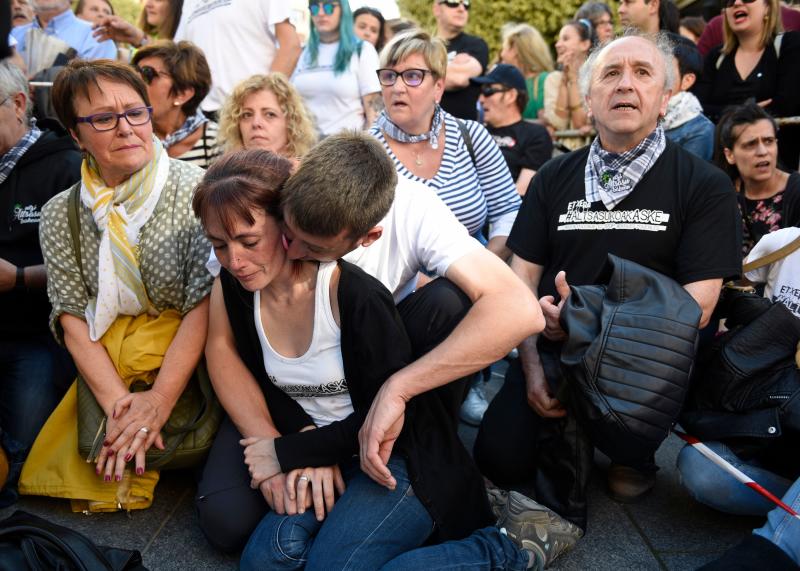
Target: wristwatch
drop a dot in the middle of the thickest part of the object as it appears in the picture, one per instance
(20, 281)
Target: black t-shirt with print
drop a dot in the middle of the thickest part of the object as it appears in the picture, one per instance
(524, 145)
(681, 220)
(462, 102)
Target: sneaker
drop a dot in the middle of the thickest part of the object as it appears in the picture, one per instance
(497, 501)
(474, 406)
(629, 485)
(537, 529)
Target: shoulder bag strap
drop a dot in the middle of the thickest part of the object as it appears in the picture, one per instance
(778, 254)
(74, 218)
(467, 139)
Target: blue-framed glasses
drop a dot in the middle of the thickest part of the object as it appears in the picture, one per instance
(327, 8)
(108, 121)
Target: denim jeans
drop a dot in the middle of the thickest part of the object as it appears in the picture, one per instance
(711, 485)
(781, 528)
(34, 374)
(696, 136)
(487, 549)
(368, 526)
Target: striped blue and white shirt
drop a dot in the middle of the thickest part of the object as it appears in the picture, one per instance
(475, 192)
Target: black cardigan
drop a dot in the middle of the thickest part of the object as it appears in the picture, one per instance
(374, 346)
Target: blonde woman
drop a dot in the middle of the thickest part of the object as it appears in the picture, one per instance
(266, 112)
(525, 48)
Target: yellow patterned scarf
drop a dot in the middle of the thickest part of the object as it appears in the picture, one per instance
(120, 212)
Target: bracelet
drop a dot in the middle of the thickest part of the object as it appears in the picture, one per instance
(19, 283)
(574, 107)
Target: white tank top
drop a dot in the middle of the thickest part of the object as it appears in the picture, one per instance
(316, 379)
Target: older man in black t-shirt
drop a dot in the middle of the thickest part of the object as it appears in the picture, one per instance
(525, 146)
(632, 193)
(467, 57)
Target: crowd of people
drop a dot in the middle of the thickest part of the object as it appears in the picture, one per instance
(341, 233)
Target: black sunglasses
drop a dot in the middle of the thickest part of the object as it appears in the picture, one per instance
(149, 73)
(730, 3)
(455, 3)
(488, 90)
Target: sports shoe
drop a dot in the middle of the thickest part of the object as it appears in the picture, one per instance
(497, 501)
(475, 405)
(537, 529)
(629, 485)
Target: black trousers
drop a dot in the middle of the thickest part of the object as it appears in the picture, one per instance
(228, 509)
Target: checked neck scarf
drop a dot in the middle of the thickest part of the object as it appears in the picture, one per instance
(189, 126)
(9, 160)
(120, 212)
(611, 177)
(396, 133)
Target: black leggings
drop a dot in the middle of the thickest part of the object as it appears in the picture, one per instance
(228, 509)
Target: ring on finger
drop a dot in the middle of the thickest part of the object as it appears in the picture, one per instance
(145, 430)
(304, 477)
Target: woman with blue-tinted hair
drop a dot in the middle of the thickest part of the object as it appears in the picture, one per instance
(336, 72)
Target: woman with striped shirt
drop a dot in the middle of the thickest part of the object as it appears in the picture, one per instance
(457, 159)
(178, 79)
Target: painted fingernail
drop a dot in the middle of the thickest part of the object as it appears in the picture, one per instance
(128, 457)
(106, 478)
(106, 443)
(139, 471)
(114, 415)
(118, 478)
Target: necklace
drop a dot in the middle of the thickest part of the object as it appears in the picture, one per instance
(418, 159)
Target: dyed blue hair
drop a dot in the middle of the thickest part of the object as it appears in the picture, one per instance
(348, 41)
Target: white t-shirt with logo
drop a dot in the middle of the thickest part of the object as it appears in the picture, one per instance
(782, 278)
(237, 38)
(335, 100)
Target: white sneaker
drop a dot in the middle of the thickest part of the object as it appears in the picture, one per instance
(474, 406)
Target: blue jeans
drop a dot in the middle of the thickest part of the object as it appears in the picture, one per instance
(711, 485)
(34, 374)
(696, 136)
(487, 549)
(368, 526)
(781, 528)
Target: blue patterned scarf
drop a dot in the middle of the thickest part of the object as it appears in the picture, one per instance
(392, 130)
(189, 126)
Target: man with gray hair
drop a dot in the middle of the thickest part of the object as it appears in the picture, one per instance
(35, 165)
(631, 193)
(55, 18)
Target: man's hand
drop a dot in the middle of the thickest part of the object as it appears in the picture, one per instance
(261, 459)
(552, 312)
(118, 29)
(274, 492)
(379, 433)
(538, 391)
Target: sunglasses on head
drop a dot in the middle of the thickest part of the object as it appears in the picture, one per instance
(488, 90)
(730, 3)
(149, 73)
(327, 8)
(456, 3)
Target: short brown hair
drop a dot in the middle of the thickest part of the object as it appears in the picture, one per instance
(300, 133)
(76, 77)
(187, 66)
(237, 183)
(346, 182)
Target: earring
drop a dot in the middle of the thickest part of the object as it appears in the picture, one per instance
(176, 103)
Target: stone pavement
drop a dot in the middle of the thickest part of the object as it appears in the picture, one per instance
(667, 531)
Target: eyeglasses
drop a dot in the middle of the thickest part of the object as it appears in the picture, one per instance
(411, 77)
(108, 121)
(327, 7)
(488, 90)
(3, 102)
(730, 3)
(149, 73)
(455, 3)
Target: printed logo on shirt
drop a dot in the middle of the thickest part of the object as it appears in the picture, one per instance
(27, 214)
(206, 6)
(790, 297)
(505, 142)
(330, 389)
(579, 216)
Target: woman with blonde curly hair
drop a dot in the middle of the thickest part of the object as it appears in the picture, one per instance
(525, 48)
(266, 112)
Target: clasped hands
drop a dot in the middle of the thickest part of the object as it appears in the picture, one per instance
(296, 491)
(133, 426)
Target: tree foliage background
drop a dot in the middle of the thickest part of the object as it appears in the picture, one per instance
(486, 17)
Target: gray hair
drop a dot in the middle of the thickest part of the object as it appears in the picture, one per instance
(660, 40)
(13, 81)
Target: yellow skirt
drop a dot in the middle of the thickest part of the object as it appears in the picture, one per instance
(137, 346)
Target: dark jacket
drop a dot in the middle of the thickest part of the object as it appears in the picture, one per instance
(51, 165)
(374, 346)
